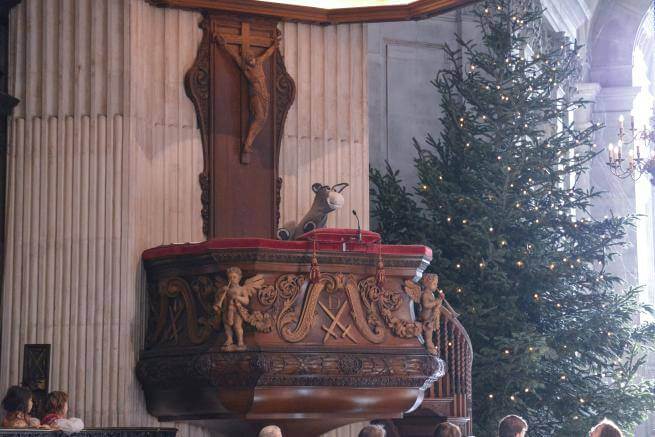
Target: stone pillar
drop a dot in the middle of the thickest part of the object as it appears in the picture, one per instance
(326, 134)
(104, 136)
(612, 102)
(584, 117)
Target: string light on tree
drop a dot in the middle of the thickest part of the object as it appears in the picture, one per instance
(522, 316)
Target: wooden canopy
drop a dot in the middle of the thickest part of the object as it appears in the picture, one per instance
(413, 10)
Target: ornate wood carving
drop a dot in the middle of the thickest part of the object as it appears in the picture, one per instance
(339, 336)
(220, 95)
(337, 309)
(246, 369)
(414, 10)
(197, 87)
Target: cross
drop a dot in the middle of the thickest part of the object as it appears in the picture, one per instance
(246, 39)
(336, 323)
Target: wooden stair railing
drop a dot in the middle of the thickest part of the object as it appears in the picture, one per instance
(454, 347)
(450, 397)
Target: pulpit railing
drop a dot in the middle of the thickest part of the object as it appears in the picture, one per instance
(451, 395)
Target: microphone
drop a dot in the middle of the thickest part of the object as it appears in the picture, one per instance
(359, 228)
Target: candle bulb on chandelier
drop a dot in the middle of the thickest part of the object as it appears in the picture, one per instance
(610, 151)
(619, 152)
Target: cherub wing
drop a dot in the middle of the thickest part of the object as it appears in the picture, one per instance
(251, 285)
(413, 290)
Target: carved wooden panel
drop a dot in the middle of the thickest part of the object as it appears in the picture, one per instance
(239, 198)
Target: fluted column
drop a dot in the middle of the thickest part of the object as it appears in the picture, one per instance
(103, 162)
(326, 134)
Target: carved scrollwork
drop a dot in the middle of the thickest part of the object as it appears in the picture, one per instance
(267, 295)
(189, 310)
(385, 302)
(197, 87)
(177, 314)
(294, 327)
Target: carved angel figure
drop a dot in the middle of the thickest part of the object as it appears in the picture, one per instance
(231, 302)
(430, 298)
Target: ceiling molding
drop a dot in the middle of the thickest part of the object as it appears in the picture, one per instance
(415, 10)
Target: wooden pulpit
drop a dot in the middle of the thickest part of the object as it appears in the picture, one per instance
(245, 330)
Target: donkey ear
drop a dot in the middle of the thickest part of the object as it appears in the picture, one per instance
(340, 187)
(316, 187)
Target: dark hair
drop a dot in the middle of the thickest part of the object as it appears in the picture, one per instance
(56, 401)
(372, 431)
(511, 425)
(17, 399)
(607, 428)
(446, 429)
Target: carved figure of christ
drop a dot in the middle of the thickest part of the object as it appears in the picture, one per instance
(252, 68)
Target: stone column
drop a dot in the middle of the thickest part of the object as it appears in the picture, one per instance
(326, 134)
(103, 162)
(584, 117)
(612, 102)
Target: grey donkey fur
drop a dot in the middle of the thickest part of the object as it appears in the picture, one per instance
(326, 200)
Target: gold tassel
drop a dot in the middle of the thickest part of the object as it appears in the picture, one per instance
(380, 275)
(314, 271)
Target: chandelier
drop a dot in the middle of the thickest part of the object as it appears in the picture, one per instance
(640, 157)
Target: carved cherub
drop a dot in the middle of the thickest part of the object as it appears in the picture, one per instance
(231, 302)
(430, 298)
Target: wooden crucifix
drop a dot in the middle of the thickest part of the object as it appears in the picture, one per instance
(241, 92)
(252, 68)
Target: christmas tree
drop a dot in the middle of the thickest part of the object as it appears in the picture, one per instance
(519, 255)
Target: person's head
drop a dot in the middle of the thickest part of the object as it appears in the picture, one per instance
(606, 428)
(270, 430)
(447, 429)
(58, 403)
(372, 431)
(234, 275)
(512, 426)
(17, 399)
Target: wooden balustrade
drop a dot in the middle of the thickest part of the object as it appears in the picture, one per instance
(451, 395)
